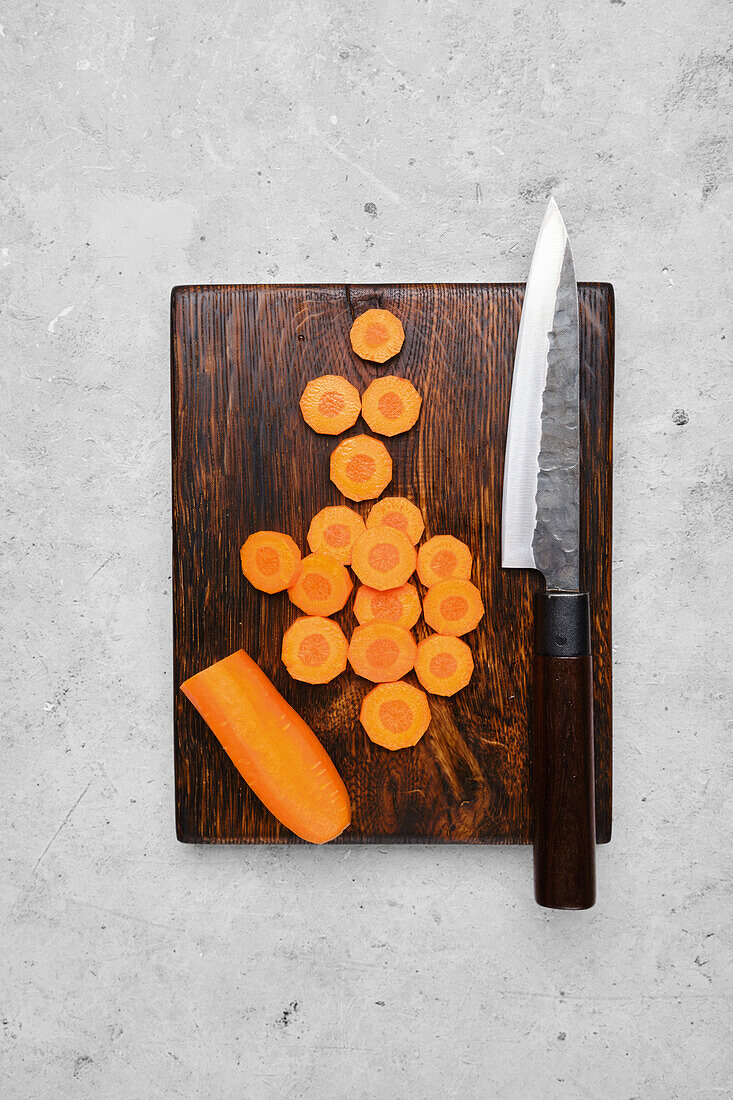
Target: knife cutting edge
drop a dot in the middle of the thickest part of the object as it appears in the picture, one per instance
(541, 530)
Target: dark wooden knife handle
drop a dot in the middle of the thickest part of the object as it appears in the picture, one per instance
(563, 782)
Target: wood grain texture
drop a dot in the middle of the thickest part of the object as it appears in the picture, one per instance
(562, 770)
(243, 459)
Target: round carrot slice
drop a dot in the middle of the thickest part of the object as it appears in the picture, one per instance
(396, 605)
(381, 652)
(400, 513)
(330, 404)
(383, 558)
(361, 467)
(395, 716)
(334, 531)
(270, 561)
(443, 665)
(314, 649)
(390, 405)
(377, 335)
(322, 586)
(442, 557)
(453, 607)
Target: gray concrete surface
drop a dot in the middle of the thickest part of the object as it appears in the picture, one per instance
(153, 143)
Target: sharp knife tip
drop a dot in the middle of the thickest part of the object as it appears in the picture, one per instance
(553, 215)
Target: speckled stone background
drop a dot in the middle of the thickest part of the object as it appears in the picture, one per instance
(151, 143)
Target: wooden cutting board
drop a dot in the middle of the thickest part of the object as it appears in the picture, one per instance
(243, 459)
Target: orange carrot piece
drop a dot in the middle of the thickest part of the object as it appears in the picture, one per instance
(443, 665)
(396, 605)
(400, 513)
(390, 405)
(381, 651)
(314, 650)
(361, 467)
(395, 716)
(442, 557)
(322, 586)
(270, 561)
(334, 531)
(453, 607)
(272, 748)
(383, 558)
(330, 404)
(377, 335)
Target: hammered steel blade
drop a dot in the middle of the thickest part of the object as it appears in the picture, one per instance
(540, 511)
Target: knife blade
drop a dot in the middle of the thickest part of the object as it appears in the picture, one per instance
(541, 530)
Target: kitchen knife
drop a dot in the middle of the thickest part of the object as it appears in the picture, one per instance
(540, 530)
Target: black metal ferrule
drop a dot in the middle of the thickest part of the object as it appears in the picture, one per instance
(561, 624)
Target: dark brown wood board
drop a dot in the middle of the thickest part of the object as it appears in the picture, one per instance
(243, 460)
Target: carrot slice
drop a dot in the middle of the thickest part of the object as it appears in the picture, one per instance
(381, 651)
(330, 404)
(390, 405)
(383, 558)
(322, 586)
(314, 650)
(377, 335)
(441, 557)
(270, 561)
(395, 716)
(361, 467)
(396, 605)
(334, 531)
(443, 665)
(400, 513)
(271, 747)
(453, 607)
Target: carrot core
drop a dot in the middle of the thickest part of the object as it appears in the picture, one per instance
(375, 333)
(317, 586)
(314, 650)
(383, 653)
(331, 403)
(396, 519)
(453, 607)
(443, 664)
(268, 561)
(395, 715)
(444, 563)
(385, 605)
(383, 557)
(360, 468)
(337, 534)
(391, 406)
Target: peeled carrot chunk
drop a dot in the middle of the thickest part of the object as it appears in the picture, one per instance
(270, 561)
(443, 665)
(442, 557)
(395, 716)
(377, 335)
(361, 467)
(390, 405)
(383, 558)
(322, 586)
(396, 605)
(330, 404)
(314, 650)
(453, 607)
(400, 513)
(271, 747)
(381, 651)
(334, 531)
